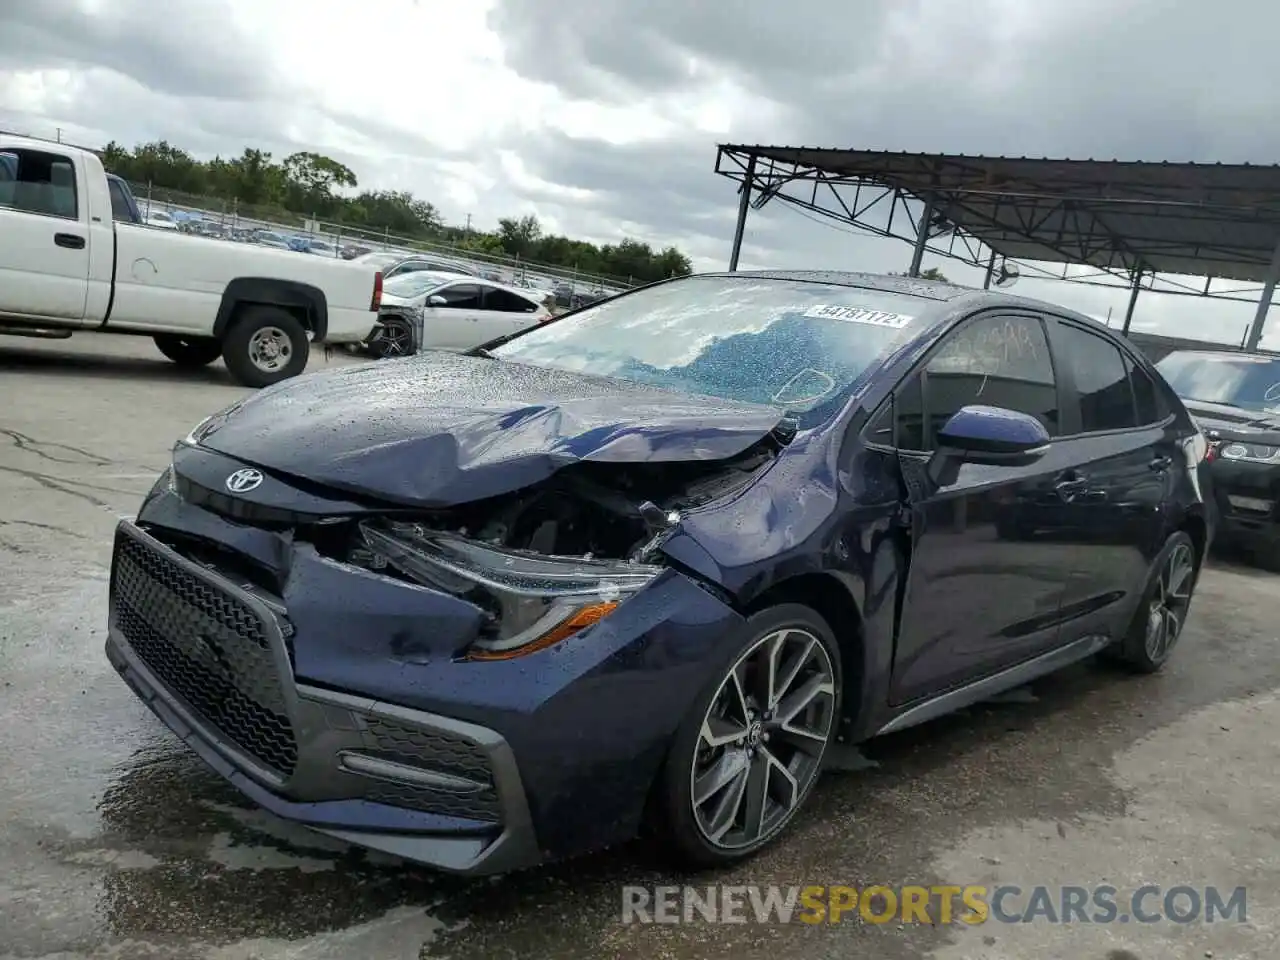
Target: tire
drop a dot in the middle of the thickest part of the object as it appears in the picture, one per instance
(692, 832)
(188, 351)
(1161, 615)
(254, 333)
(395, 339)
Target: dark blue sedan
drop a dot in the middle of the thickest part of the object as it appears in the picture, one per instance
(648, 565)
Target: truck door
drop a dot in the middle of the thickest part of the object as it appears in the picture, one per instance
(44, 241)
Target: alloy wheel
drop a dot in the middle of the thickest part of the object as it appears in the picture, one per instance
(762, 739)
(394, 340)
(270, 349)
(1167, 610)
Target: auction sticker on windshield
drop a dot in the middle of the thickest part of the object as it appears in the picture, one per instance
(875, 318)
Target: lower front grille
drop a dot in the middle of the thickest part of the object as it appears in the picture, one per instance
(208, 647)
(436, 752)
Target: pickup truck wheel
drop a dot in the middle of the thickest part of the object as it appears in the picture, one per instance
(264, 346)
(188, 351)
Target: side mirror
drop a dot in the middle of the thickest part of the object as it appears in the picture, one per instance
(990, 436)
(436, 301)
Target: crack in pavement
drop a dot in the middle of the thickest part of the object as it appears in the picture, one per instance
(51, 527)
(40, 448)
(56, 484)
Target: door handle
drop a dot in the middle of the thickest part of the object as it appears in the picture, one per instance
(1070, 484)
(69, 240)
(1161, 463)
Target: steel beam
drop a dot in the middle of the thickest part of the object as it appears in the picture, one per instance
(1264, 303)
(1133, 299)
(922, 238)
(744, 204)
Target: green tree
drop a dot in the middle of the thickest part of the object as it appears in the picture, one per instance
(307, 184)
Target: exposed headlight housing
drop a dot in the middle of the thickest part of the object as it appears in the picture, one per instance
(534, 601)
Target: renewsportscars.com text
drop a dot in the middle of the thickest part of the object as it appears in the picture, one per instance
(933, 905)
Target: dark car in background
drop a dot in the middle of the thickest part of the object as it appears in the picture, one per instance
(1235, 397)
(644, 566)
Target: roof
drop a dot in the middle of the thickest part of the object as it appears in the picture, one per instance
(912, 286)
(1203, 219)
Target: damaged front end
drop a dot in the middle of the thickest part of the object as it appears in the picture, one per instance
(536, 566)
(549, 561)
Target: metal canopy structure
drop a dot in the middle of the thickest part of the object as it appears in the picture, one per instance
(1137, 221)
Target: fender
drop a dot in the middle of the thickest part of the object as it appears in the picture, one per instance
(277, 293)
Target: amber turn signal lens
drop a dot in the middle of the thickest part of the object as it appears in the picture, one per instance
(582, 618)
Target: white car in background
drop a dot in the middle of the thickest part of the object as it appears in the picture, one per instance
(426, 310)
(162, 220)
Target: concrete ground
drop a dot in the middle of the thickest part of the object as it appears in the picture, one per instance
(117, 844)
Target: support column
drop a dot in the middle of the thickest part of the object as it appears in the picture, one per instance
(1264, 303)
(744, 203)
(1133, 299)
(922, 238)
(991, 268)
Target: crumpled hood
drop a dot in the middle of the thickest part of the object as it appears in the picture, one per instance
(1225, 422)
(440, 429)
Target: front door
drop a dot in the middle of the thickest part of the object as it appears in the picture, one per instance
(455, 324)
(44, 245)
(988, 566)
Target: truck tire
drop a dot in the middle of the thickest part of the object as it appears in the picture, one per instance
(188, 351)
(265, 345)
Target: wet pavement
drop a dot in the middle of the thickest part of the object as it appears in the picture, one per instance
(117, 843)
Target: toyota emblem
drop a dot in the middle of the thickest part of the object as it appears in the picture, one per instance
(242, 481)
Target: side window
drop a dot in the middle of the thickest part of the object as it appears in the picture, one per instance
(1102, 382)
(119, 202)
(34, 181)
(995, 361)
(495, 299)
(1144, 393)
(461, 296)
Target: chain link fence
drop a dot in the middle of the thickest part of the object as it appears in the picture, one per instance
(235, 216)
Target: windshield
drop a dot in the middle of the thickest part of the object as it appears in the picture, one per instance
(1252, 383)
(796, 344)
(409, 285)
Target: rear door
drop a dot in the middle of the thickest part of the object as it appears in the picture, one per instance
(507, 312)
(988, 557)
(1124, 443)
(44, 244)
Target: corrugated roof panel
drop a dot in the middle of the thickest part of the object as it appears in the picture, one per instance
(1209, 219)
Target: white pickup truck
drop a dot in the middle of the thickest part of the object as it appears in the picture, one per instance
(73, 257)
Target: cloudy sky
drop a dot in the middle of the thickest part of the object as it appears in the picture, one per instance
(602, 116)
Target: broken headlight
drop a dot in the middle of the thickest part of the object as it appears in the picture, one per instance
(533, 601)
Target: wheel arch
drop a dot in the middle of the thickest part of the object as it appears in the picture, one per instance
(306, 302)
(831, 598)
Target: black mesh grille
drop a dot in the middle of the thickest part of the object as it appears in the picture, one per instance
(208, 648)
(437, 752)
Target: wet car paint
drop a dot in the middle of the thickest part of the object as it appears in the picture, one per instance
(442, 428)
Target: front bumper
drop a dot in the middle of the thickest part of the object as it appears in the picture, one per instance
(212, 660)
(1246, 500)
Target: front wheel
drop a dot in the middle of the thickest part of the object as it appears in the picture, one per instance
(264, 346)
(188, 351)
(1162, 614)
(748, 754)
